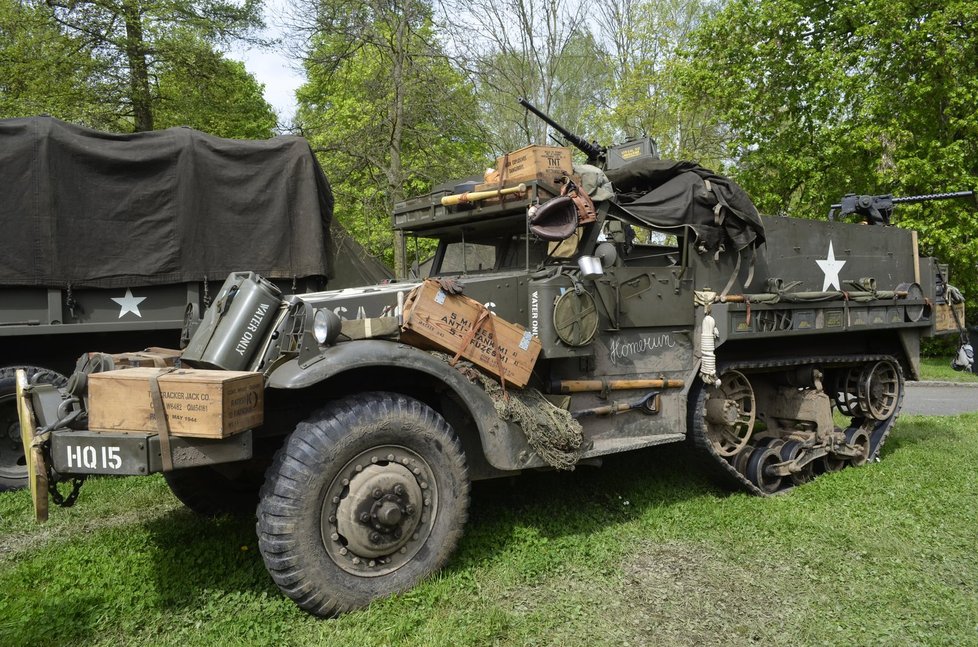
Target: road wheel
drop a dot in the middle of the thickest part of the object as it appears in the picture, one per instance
(13, 465)
(791, 451)
(366, 498)
(859, 439)
(761, 460)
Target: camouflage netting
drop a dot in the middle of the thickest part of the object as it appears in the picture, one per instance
(552, 433)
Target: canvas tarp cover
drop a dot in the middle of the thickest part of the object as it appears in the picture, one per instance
(89, 209)
(672, 194)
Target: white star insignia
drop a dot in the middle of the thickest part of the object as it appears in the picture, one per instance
(129, 303)
(831, 268)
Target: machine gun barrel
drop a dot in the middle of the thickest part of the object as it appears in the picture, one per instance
(876, 209)
(933, 196)
(595, 153)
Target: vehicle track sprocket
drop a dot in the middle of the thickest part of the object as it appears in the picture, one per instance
(731, 411)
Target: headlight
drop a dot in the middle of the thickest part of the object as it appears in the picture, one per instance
(326, 326)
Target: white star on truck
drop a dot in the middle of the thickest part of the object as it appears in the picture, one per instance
(831, 267)
(129, 303)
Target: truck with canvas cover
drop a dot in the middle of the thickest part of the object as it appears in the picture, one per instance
(110, 241)
(608, 307)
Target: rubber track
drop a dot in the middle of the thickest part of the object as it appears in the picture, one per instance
(723, 468)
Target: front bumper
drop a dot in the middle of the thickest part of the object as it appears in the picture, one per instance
(70, 452)
(138, 454)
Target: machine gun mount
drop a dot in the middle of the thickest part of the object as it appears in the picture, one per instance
(877, 209)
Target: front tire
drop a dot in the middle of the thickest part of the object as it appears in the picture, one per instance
(366, 498)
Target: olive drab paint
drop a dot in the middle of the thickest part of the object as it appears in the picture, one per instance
(252, 328)
(235, 326)
(739, 333)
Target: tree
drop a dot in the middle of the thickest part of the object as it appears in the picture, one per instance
(131, 41)
(541, 51)
(834, 97)
(43, 70)
(642, 40)
(229, 104)
(385, 110)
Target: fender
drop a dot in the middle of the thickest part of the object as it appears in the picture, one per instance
(503, 443)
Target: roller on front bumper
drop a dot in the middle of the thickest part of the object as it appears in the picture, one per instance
(33, 450)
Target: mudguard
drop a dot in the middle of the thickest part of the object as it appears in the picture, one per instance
(503, 443)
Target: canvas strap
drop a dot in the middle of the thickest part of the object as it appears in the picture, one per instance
(586, 211)
(733, 277)
(484, 316)
(162, 426)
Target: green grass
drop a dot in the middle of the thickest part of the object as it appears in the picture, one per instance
(939, 369)
(644, 551)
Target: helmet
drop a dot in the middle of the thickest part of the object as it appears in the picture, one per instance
(555, 219)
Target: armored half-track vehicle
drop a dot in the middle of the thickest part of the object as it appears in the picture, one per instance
(647, 303)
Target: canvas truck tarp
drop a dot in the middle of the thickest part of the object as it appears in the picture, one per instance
(671, 194)
(353, 265)
(90, 209)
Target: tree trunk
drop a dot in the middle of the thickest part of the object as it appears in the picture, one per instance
(135, 46)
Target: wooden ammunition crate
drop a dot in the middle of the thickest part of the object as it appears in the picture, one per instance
(944, 319)
(545, 163)
(436, 319)
(199, 403)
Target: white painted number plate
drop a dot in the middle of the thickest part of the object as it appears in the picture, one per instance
(93, 458)
(90, 453)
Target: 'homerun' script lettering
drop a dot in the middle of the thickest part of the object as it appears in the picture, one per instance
(624, 349)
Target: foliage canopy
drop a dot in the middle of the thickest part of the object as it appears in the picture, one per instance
(385, 109)
(132, 65)
(823, 99)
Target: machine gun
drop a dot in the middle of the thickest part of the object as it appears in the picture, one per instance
(877, 209)
(596, 154)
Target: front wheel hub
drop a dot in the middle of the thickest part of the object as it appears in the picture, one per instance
(378, 511)
(388, 514)
(387, 520)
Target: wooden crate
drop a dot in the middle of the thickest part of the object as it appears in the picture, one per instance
(944, 319)
(545, 163)
(199, 403)
(436, 319)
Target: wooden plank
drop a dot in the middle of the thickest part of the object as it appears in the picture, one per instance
(37, 474)
(199, 403)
